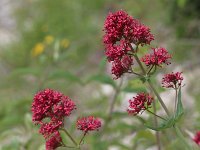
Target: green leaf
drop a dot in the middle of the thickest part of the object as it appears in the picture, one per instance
(102, 79)
(164, 125)
(173, 119)
(179, 109)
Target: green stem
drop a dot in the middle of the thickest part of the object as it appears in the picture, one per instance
(176, 94)
(82, 138)
(156, 124)
(182, 138)
(158, 96)
(151, 85)
(71, 138)
(117, 90)
(156, 115)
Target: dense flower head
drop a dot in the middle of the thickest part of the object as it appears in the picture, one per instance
(157, 58)
(51, 104)
(196, 138)
(172, 80)
(54, 141)
(121, 30)
(119, 25)
(140, 102)
(121, 66)
(89, 123)
(49, 108)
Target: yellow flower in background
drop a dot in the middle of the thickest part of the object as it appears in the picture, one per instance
(38, 49)
(48, 39)
(64, 43)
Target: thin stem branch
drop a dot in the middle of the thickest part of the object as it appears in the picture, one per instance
(71, 138)
(156, 124)
(149, 81)
(114, 99)
(156, 115)
(158, 96)
(82, 138)
(150, 69)
(182, 138)
(176, 94)
(136, 73)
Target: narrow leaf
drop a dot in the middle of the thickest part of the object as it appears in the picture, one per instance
(179, 110)
(164, 125)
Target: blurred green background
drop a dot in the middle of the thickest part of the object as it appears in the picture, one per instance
(58, 44)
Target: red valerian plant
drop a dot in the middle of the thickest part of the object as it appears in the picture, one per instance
(49, 109)
(123, 38)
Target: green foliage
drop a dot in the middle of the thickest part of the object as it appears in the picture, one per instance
(135, 85)
(172, 120)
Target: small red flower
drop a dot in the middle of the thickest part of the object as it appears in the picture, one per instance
(172, 80)
(88, 124)
(54, 141)
(141, 102)
(157, 58)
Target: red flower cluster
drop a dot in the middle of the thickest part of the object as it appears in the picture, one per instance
(54, 106)
(121, 30)
(120, 25)
(196, 138)
(54, 141)
(88, 124)
(157, 58)
(141, 102)
(172, 80)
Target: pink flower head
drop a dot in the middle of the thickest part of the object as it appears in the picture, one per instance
(119, 67)
(49, 108)
(54, 141)
(120, 25)
(157, 58)
(88, 124)
(172, 80)
(141, 102)
(196, 138)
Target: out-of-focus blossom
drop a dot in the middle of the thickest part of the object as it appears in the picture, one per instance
(89, 123)
(48, 39)
(37, 50)
(196, 138)
(172, 80)
(157, 58)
